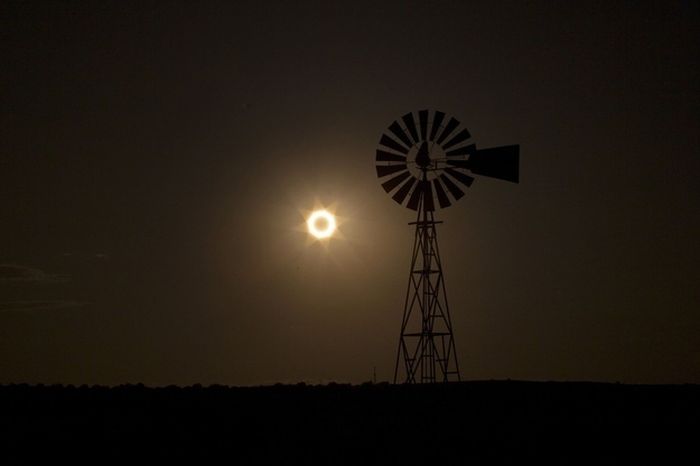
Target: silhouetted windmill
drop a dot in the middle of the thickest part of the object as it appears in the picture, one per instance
(433, 159)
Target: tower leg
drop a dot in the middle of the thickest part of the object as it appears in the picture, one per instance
(426, 352)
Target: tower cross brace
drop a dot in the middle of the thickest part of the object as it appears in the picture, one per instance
(426, 352)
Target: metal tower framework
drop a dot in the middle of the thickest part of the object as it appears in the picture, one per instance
(426, 352)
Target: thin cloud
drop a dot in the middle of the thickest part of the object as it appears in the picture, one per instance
(10, 273)
(26, 306)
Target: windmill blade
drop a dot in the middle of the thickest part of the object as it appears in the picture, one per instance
(423, 121)
(391, 144)
(417, 193)
(423, 155)
(411, 125)
(451, 125)
(403, 191)
(383, 156)
(428, 195)
(459, 176)
(460, 137)
(451, 187)
(384, 170)
(443, 200)
(395, 181)
(437, 121)
(400, 133)
(465, 150)
(497, 162)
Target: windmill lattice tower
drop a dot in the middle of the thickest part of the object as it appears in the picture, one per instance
(420, 163)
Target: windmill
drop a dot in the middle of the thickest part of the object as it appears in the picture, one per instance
(418, 164)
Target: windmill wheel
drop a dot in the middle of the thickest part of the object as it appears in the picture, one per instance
(436, 159)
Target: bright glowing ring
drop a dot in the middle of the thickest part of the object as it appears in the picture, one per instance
(325, 216)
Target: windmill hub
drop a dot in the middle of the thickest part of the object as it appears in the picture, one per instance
(423, 156)
(423, 163)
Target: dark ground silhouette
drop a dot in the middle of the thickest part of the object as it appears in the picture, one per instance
(486, 421)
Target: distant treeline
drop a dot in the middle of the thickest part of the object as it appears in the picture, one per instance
(484, 421)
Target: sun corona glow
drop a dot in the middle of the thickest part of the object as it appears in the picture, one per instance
(321, 224)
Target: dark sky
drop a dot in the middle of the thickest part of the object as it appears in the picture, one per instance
(156, 162)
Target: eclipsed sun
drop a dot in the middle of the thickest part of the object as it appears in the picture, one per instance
(321, 224)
